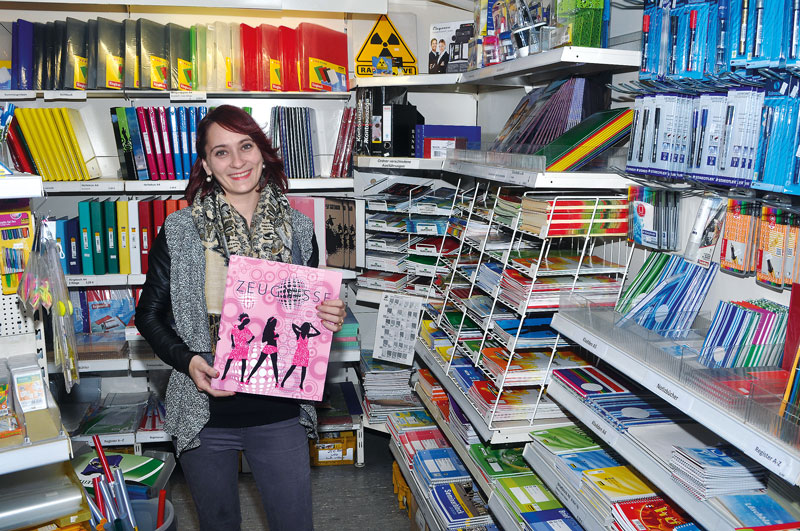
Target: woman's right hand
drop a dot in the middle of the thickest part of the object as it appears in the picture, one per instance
(201, 373)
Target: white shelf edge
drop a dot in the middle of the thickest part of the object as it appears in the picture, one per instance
(92, 186)
(702, 512)
(107, 365)
(109, 439)
(129, 94)
(564, 492)
(21, 186)
(158, 186)
(321, 183)
(769, 453)
(83, 281)
(148, 364)
(110, 185)
(423, 501)
(35, 455)
(144, 436)
(397, 163)
(537, 179)
(419, 80)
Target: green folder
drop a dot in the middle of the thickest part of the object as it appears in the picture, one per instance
(98, 240)
(110, 234)
(85, 228)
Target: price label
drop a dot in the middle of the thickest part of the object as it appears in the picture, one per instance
(187, 95)
(140, 186)
(392, 163)
(426, 208)
(518, 177)
(427, 229)
(669, 391)
(83, 366)
(75, 95)
(114, 441)
(17, 95)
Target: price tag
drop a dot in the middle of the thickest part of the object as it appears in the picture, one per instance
(497, 174)
(391, 163)
(76, 95)
(426, 208)
(775, 459)
(187, 95)
(518, 177)
(83, 366)
(675, 395)
(18, 95)
(165, 185)
(427, 229)
(113, 441)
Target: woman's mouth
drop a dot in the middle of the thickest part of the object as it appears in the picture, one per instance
(240, 175)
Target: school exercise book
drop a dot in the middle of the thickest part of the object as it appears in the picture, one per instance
(271, 341)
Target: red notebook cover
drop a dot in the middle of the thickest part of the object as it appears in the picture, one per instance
(323, 58)
(146, 234)
(650, 514)
(271, 58)
(252, 73)
(290, 79)
(159, 215)
(155, 138)
(152, 167)
(165, 143)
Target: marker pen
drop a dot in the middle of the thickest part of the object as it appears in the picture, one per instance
(743, 27)
(703, 120)
(722, 32)
(767, 122)
(723, 144)
(673, 29)
(656, 123)
(645, 119)
(695, 116)
(758, 41)
(692, 34)
(645, 35)
(633, 134)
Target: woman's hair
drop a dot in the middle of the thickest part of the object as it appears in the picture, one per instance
(235, 120)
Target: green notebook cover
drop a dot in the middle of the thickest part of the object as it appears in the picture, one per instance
(528, 493)
(565, 439)
(98, 239)
(85, 237)
(499, 462)
(180, 57)
(135, 468)
(110, 233)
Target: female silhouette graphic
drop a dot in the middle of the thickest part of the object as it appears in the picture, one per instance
(300, 358)
(241, 337)
(269, 338)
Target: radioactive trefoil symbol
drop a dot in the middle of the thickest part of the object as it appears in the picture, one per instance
(392, 40)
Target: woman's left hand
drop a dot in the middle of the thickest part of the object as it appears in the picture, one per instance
(332, 314)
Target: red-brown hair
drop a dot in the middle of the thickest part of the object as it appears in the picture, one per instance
(235, 120)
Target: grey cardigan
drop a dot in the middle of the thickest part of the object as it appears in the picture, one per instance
(187, 408)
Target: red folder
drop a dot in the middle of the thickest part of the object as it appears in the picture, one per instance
(165, 143)
(271, 58)
(290, 76)
(182, 203)
(18, 153)
(152, 167)
(146, 234)
(155, 138)
(159, 215)
(322, 53)
(171, 206)
(252, 71)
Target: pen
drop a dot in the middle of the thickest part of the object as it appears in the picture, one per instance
(722, 33)
(795, 36)
(692, 35)
(645, 35)
(723, 145)
(766, 120)
(124, 501)
(759, 28)
(633, 134)
(645, 119)
(703, 120)
(98, 496)
(162, 499)
(102, 456)
(743, 27)
(111, 507)
(673, 29)
(695, 115)
(656, 123)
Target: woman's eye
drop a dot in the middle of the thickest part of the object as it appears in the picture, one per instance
(220, 153)
(247, 146)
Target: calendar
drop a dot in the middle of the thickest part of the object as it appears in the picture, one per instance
(398, 318)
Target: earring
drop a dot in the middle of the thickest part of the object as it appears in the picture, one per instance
(208, 178)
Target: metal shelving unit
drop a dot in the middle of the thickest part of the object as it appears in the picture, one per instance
(543, 180)
(765, 449)
(175, 96)
(702, 512)
(423, 501)
(35, 455)
(363, 163)
(20, 185)
(111, 185)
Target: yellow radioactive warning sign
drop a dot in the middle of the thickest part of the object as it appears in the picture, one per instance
(384, 41)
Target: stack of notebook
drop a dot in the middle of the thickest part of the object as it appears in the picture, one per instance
(712, 471)
(459, 506)
(435, 466)
(563, 216)
(386, 388)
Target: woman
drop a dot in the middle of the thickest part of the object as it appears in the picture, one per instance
(237, 206)
(270, 340)
(300, 357)
(241, 337)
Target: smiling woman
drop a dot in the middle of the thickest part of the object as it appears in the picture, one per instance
(237, 207)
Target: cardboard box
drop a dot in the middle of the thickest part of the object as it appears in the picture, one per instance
(334, 448)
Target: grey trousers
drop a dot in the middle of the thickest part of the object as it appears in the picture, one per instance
(278, 456)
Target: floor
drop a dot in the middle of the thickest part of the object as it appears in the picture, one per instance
(345, 497)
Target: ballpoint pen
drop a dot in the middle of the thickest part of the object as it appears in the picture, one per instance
(692, 35)
(758, 41)
(645, 35)
(673, 30)
(645, 119)
(656, 123)
(703, 120)
(722, 32)
(743, 27)
(767, 119)
(633, 134)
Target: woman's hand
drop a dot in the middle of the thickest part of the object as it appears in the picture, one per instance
(201, 373)
(332, 314)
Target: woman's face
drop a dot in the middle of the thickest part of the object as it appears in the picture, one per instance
(234, 160)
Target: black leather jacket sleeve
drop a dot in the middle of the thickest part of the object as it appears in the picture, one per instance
(153, 313)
